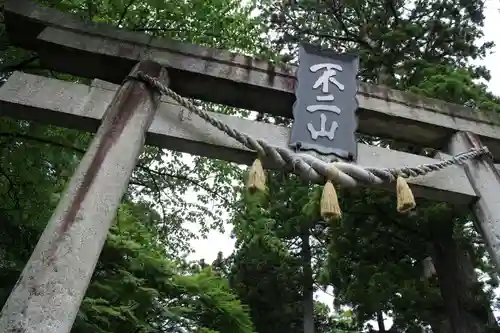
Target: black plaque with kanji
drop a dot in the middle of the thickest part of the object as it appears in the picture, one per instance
(325, 110)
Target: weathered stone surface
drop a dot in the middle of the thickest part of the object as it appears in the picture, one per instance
(81, 107)
(101, 51)
(48, 294)
(485, 179)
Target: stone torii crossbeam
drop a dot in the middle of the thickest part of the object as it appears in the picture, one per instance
(48, 295)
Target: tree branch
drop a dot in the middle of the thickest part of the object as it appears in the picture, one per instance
(41, 140)
(175, 29)
(124, 13)
(158, 190)
(321, 287)
(90, 9)
(349, 37)
(392, 8)
(192, 181)
(145, 168)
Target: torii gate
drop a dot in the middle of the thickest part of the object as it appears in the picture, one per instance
(49, 292)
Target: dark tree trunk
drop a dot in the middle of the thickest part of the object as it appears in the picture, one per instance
(380, 322)
(308, 289)
(467, 309)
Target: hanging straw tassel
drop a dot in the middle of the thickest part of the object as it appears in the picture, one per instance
(406, 201)
(329, 207)
(256, 177)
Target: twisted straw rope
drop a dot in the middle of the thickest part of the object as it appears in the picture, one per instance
(309, 167)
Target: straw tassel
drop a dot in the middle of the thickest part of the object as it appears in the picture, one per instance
(406, 201)
(256, 177)
(329, 207)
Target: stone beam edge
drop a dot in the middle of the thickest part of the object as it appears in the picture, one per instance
(81, 107)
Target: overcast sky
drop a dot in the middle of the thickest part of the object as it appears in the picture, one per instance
(208, 248)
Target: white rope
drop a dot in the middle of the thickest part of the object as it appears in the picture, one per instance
(309, 167)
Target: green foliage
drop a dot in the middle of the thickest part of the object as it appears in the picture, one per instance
(217, 23)
(136, 286)
(266, 270)
(263, 272)
(374, 263)
(141, 283)
(456, 86)
(168, 177)
(373, 258)
(31, 179)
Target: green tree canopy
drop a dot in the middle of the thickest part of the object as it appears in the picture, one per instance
(374, 255)
(142, 282)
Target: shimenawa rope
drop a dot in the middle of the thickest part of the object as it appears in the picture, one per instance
(310, 167)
